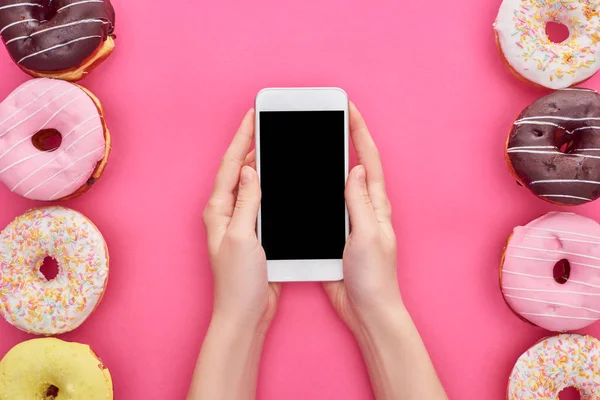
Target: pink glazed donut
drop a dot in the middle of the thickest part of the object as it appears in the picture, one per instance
(54, 143)
(550, 271)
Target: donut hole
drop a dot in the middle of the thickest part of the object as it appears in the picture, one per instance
(47, 140)
(569, 393)
(562, 271)
(538, 133)
(556, 32)
(50, 10)
(563, 141)
(51, 393)
(49, 268)
(566, 147)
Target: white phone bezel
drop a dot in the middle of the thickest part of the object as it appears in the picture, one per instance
(302, 99)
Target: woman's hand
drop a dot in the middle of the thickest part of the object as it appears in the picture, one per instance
(238, 260)
(245, 302)
(370, 283)
(368, 299)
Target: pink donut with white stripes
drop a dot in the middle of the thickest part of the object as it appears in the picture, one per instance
(53, 140)
(550, 271)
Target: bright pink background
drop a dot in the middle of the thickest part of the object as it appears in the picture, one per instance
(439, 103)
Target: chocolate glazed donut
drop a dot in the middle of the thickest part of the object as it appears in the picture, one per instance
(57, 38)
(553, 148)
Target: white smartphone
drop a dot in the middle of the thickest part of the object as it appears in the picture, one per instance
(302, 162)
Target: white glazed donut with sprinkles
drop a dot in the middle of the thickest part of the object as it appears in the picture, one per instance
(48, 307)
(554, 364)
(521, 37)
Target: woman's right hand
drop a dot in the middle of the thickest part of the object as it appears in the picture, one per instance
(370, 282)
(368, 299)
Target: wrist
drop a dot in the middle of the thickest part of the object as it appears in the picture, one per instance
(242, 324)
(228, 363)
(380, 320)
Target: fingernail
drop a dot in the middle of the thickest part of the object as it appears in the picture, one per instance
(246, 176)
(360, 173)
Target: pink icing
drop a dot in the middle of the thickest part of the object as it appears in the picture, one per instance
(528, 283)
(49, 104)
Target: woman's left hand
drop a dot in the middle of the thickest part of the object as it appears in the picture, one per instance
(245, 302)
(242, 291)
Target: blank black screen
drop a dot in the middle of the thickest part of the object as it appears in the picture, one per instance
(302, 175)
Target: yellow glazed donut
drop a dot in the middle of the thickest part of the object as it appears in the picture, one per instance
(48, 307)
(48, 369)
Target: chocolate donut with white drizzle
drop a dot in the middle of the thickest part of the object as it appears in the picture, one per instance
(57, 38)
(553, 148)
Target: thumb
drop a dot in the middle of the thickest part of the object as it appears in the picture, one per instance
(362, 214)
(247, 203)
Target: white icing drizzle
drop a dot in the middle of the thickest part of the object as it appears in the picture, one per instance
(564, 181)
(20, 161)
(554, 237)
(78, 3)
(537, 123)
(531, 147)
(583, 128)
(552, 303)
(559, 118)
(15, 39)
(567, 196)
(560, 231)
(71, 183)
(20, 89)
(29, 137)
(63, 170)
(555, 125)
(83, 21)
(557, 316)
(36, 154)
(578, 88)
(554, 251)
(550, 291)
(511, 150)
(548, 277)
(59, 46)
(21, 5)
(546, 259)
(28, 104)
(55, 157)
(16, 23)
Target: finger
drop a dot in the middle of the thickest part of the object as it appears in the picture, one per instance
(250, 158)
(219, 209)
(368, 156)
(334, 290)
(248, 201)
(233, 160)
(250, 161)
(360, 208)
